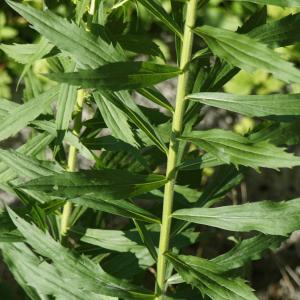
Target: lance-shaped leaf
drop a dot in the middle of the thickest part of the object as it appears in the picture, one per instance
(119, 76)
(252, 105)
(208, 278)
(247, 250)
(132, 113)
(28, 166)
(205, 161)
(19, 117)
(286, 133)
(277, 218)
(221, 182)
(69, 137)
(23, 53)
(85, 275)
(33, 147)
(242, 253)
(83, 46)
(116, 240)
(155, 96)
(115, 119)
(109, 184)
(231, 147)
(21, 262)
(282, 3)
(66, 99)
(246, 53)
(158, 11)
(117, 207)
(278, 33)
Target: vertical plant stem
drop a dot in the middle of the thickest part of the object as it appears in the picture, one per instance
(177, 125)
(72, 157)
(72, 160)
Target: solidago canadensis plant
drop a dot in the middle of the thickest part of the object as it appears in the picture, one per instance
(62, 241)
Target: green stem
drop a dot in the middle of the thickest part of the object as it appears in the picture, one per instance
(177, 125)
(72, 161)
(72, 157)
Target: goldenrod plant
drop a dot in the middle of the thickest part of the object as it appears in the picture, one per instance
(112, 205)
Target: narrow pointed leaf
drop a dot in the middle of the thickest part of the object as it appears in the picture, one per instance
(155, 96)
(83, 46)
(66, 100)
(208, 278)
(246, 53)
(18, 118)
(247, 250)
(85, 275)
(241, 254)
(27, 166)
(252, 105)
(69, 137)
(31, 148)
(115, 118)
(116, 207)
(119, 76)
(109, 184)
(277, 218)
(23, 53)
(230, 147)
(158, 11)
(136, 117)
(278, 33)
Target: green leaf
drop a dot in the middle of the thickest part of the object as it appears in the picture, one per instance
(83, 46)
(242, 253)
(158, 11)
(8, 231)
(130, 240)
(282, 3)
(135, 116)
(69, 137)
(138, 44)
(33, 147)
(205, 161)
(246, 53)
(146, 238)
(115, 240)
(230, 147)
(20, 261)
(66, 100)
(66, 103)
(287, 133)
(19, 117)
(109, 184)
(155, 96)
(117, 207)
(27, 166)
(81, 8)
(247, 250)
(277, 218)
(115, 118)
(278, 33)
(208, 278)
(24, 53)
(222, 181)
(119, 76)
(87, 277)
(43, 48)
(252, 105)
